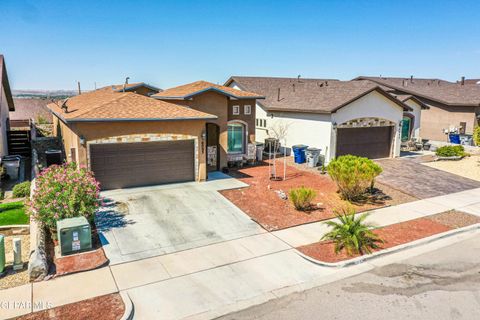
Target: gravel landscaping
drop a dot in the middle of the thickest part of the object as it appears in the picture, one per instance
(108, 307)
(15, 278)
(397, 234)
(468, 167)
(263, 204)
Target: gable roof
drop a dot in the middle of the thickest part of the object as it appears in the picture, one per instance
(406, 97)
(190, 90)
(131, 87)
(4, 82)
(31, 108)
(107, 105)
(445, 92)
(309, 95)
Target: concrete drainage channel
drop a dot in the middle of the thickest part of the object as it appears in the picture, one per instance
(413, 244)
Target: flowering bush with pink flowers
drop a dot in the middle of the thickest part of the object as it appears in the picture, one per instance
(64, 191)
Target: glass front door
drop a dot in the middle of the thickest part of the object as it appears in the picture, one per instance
(406, 125)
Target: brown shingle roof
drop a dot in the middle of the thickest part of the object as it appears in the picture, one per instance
(189, 90)
(442, 91)
(31, 108)
(308, 95)
(130, 87)
(4, 82)
(107, 105)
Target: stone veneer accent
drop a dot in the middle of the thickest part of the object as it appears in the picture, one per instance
(149, 137)
(366, 122)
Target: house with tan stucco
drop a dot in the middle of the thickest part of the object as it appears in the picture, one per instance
(6, 105)
(338, 117)
(447, 106)
(130, 136)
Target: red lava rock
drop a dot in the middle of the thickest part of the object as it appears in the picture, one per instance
(264, 206)
(392, 235)
(108, 307)
(80, 262)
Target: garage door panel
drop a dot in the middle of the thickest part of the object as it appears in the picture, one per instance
(371, 142)
(124, 165)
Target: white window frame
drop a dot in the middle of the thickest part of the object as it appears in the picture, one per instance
(236, 110)
(247, 107)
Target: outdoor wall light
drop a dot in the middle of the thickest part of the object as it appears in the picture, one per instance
(83, 141)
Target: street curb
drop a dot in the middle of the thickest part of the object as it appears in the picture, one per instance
(413, 244)
(129, 309)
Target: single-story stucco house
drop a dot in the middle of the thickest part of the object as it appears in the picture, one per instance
(447, 106)
(339, 117)
(129, 139)
(6, 105)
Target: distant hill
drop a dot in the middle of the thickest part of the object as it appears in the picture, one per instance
(45, 94)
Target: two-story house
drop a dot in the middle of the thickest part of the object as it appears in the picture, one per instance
(6, 105)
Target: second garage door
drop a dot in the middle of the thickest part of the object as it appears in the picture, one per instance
(122, 165)
(372, 142)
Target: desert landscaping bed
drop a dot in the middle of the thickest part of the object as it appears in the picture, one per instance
(468, 167)
(397, 234)
(108, 307)
(262, 203)
(13, 278)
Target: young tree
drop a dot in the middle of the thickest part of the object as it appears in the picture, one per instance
(278, 131)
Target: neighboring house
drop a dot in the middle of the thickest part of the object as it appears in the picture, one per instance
(230, 135)
(449, 106)
(339, 117)
(31, 109)
(137, 87)
(128, 139)
(6, 105)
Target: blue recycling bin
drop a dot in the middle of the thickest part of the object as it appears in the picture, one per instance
(454, 138)
(299, 153)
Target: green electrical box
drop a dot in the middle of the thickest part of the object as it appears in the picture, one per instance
(2, 253)
(74, 235)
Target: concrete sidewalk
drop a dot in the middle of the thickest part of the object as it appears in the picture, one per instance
(209, 281)
(467, 201)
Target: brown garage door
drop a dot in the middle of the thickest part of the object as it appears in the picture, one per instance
(371, 142)
(122, 165)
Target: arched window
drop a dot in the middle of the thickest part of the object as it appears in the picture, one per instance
(236, 138)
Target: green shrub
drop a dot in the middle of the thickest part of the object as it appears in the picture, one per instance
(451, 151)
(476, 135)
(64, 191)
(302, 197)
(353, 175)
(21, 190)
(352, 234)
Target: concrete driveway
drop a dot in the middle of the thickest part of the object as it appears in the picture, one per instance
(139, 223)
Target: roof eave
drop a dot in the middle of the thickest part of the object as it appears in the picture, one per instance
(138, 119)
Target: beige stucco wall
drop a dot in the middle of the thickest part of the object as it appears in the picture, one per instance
(440, 117)
(221, 106)
(136, 131)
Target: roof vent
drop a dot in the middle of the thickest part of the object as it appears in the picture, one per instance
(64, 106)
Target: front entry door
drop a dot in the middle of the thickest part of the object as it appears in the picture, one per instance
(213, 151)
(407, 122)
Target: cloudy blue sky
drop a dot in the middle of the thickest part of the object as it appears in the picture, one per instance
(53, 44)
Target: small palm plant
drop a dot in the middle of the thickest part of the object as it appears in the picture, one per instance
(352, 234)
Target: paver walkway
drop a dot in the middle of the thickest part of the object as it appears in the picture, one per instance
(207, 282)
(411, 177)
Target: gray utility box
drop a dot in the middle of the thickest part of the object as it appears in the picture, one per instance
(74, 235)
